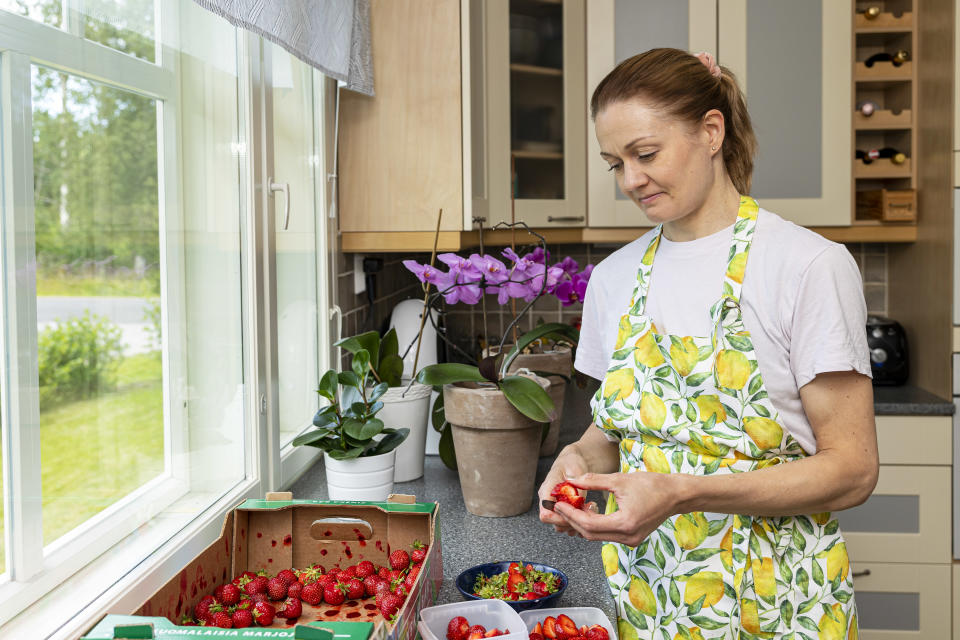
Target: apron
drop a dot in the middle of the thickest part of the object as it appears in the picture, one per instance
(682, 404)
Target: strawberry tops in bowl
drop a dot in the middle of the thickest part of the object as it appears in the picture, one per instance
(522, 585)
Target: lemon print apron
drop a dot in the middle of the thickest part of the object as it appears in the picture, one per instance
(682, 404)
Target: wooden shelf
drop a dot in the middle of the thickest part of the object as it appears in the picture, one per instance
(883, 119)
(882, 71)
(536, 70)
(883, 23)
(417, 241)
(882, 168)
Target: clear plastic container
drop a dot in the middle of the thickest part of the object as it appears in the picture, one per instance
(490, 613)
(580, 615)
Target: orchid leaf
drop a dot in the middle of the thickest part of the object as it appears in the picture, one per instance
(449, 372)
(529, 398)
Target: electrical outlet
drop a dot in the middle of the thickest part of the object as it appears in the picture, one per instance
(359, 282)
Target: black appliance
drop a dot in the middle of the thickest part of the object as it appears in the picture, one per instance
(888, 351)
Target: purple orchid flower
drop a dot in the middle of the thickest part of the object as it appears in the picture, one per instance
(426, 273)
(539, 255)
(494, 272)
(573, 290)
(569, 266)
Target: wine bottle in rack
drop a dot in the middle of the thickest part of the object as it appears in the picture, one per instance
(867, 108)
(897, 58)
(870, 13)
(896, 157)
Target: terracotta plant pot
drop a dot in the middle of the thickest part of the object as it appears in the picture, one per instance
(494, 444)
(560, 361)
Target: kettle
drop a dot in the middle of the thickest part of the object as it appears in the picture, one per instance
(889, 357)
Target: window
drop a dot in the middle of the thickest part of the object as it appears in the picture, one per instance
(164, 260)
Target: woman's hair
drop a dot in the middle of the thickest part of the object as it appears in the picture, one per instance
(679, 83)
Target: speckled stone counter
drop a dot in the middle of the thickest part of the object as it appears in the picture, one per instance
(470, 540)
(908, 400)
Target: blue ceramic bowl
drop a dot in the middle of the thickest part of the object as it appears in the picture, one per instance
(466, 580)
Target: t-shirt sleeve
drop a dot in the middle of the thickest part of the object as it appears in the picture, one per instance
(828, 327)
(591, 358)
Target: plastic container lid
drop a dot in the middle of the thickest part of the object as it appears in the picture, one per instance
(580, 615)
(490, 613)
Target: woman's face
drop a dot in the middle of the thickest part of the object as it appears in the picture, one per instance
(661, 163)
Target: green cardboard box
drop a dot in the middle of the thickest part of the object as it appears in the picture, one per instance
(280, 533)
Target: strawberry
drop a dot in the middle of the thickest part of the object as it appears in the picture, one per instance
(457, 628)
(419, 553)
(370, 586)
(382, 587)
(222, 619)
(332, 594)
(538, 628)
(365, 569)
(312, 593)
(476, 632)
(242, 618)
(540, 588)
(384, 573)
(350, 572)
(568, 626)
(355, 589)
(327, 578)
(287, 575)
(530, 595)
(399, 560)
(597, 632)
(535, 636)
(566, 492)
(389, 605)
(411, 577)
(513, 582)
(256, 585)
(291, 609)
(514, 568)
(263, 613)
(218, 593)
(202, 610)
(293, 591)
(230, 594)
(492, 633)
(259, 597)
(550, 627)
(277, 588)
(400, 591)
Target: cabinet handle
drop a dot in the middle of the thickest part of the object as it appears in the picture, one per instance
(285, 188)
(565, 218)
(860, 574)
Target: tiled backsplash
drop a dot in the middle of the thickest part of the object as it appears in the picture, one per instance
(465, 322)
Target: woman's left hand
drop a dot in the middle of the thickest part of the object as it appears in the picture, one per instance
(644, 501)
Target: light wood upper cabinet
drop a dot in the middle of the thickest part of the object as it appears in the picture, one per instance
(793, 62)
(465, 90)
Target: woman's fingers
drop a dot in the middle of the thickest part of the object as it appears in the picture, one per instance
(597, 481)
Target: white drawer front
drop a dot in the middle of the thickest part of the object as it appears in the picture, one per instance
(902, 602)
(917, 440)
(907, 519)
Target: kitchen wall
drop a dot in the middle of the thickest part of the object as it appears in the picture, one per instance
(465, 323)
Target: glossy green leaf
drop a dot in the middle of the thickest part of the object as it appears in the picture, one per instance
(448, 453)
(349, 454)
(529, 398)
(360, 363)
(369, 342)
(311, 438)
(391, 370)
(389, 345)
(377, 392)
(449, 372)
(393, 439)
(328, 385)
(348, 379)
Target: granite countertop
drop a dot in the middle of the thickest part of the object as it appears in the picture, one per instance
(909, 400)
(469, 540)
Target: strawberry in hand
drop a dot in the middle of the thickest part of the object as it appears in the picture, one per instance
(566, 492)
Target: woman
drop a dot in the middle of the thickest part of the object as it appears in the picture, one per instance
(736, 409)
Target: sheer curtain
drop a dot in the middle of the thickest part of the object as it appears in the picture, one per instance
(332, 35)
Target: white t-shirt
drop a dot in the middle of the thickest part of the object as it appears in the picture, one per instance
(802, 302)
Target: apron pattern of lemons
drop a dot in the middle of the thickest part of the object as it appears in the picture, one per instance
(682, 404)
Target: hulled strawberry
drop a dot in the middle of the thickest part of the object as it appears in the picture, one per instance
(535, 636)
(355, 589)
(457, 628)
(332, 594)
(419, 553)
(597, 632)
(389, 605)
(312, 593)
(566, 492)
(399, 560)
(263, 613)
(476, 632)
(291, 609)
(365, 569)
(277, 588)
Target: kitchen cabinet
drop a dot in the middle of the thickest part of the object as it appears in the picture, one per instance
(466, 91)
(899, 540)
(956, 600)
(793, 62)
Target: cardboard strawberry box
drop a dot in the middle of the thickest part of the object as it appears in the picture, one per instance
(281, 533)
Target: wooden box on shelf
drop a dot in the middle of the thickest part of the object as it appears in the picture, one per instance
(883, 119)
(882, 168)
(884, 21)
(887, 205)
(883, 71)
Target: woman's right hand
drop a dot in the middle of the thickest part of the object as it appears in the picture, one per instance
(569, 464)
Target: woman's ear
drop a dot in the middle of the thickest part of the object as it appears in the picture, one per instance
(713, 128)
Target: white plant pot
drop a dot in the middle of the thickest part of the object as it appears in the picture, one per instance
(411, 411)
(369, 478)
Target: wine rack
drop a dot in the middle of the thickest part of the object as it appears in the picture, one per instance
(885, 96)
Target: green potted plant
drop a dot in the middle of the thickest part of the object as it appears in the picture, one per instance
(358, 449)
(496, 411)
(406, 403)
